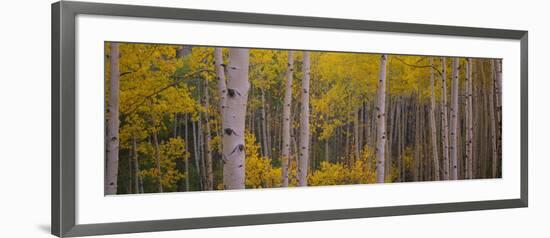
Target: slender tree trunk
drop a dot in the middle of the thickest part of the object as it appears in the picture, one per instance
(444, 117)
(498, 97)
(346, 146)
(113, 124)
(327, 150)
(368, 121)
(209, 185)
(186, 150)
(389, 139)
(381, 120)
(265, 144)
(475, 118)
(137, 176)
(432, 123)
(285, 156)
(196, 152)
(234, 119)
(222, 88)
(268, 128)
(356, 133)
(422, 142)
(398, 136)
(417, 143)
(361, 123)
(493, 121)
(469, 120)
(304, 124)
(454, 121)
(403, 130)
(157, 159)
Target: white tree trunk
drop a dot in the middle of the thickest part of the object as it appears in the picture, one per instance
(432, 124)
(220, 72)
(444, 116)
(186, 150)
(233, 119)
(469, 121)
(222, 86)
(498, 88)
(454, 121)
(381, 120)
(113, 124)
(265, 145)
(209, 173)
(304, 125)
(286, 119)
(196, 151)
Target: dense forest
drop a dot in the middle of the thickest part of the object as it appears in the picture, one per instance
(190, 118)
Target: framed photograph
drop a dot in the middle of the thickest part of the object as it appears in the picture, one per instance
(169, 118)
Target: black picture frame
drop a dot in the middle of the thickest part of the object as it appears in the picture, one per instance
(64, 107)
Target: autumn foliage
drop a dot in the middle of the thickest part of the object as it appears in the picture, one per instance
(172, 129)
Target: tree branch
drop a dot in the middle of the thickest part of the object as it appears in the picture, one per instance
(418, 66)
(178, 80)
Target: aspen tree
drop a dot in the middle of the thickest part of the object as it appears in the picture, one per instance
(233, 119)
(454, 120)
(444, 117)
(381, 120)
(113, 139)
(304, 124)
(469, 120)
(285, 155)
(209, 185)
(433, 128)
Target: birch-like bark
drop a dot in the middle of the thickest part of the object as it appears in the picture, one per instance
(196, 151)
(304, 124)
(381, 120)
(498, 97)
(469, 120)
(498, 88)
(186, 150)
(475, 116)
(220, 77)
(222, 86)
(209, 185)
(113, 140)
(268, 132)
(265, 145)
(287, 104)
(444, 116)
(233, 119)
(432, 124)
(389, 138)
(202, 152)
(417, 143)
(157, 159)
(454, 121)
(492, 119)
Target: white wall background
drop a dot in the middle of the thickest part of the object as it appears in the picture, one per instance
(25, 118)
